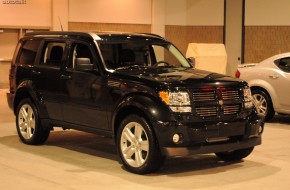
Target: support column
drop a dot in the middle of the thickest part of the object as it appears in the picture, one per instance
(234, 17)
(158, 17)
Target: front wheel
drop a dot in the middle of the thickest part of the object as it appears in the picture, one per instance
(137, 146)
(28, 125)
(235, 155)
(263, 104)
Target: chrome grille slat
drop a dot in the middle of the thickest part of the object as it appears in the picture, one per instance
(230, 102)
(230, 94)
(206, 111)
(203, 96)
(231, 110)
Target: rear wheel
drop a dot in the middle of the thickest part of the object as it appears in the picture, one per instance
(28, 125)
(235, 155)
(263, 104)
(137, 146)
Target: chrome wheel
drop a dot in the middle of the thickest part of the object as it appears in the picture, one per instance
(26, 121)
(134, 144)
(261, 104)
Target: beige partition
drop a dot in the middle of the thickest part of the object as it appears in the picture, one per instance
(8, 41)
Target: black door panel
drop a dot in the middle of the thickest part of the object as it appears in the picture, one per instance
(86, 102)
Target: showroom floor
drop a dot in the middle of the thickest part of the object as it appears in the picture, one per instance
(76, 160)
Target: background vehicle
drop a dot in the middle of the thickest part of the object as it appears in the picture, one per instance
(270, 84)
(136, 88)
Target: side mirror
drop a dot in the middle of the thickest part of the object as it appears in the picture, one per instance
(83, 64)
(191, 60)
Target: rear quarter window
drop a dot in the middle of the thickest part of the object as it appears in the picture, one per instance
(283, 64)
(27, 52)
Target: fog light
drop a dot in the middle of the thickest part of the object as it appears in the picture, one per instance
(177, 138)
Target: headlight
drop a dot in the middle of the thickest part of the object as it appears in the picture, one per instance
(248, 98)
(177, 101)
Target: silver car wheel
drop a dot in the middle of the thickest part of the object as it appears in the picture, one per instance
(261, 104)
(134, 144)
(26, 121)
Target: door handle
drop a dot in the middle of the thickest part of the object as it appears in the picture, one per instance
(65, 77)
(33, 72)
(274, 76)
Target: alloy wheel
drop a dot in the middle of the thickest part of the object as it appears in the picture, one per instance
(26, 121)
(261, 104)
(134, 144)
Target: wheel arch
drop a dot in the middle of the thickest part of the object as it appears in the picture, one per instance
(150, 108)
(253, 88)
(26, 90)
(267, 88)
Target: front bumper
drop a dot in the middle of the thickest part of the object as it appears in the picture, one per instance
(205, 149)
(209, 137)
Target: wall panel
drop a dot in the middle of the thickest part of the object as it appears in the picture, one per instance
(33, 13)
(94, 27)
(262, 42)
(110, 11)
(182, 35)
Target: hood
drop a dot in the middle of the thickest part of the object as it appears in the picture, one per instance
(179, 77)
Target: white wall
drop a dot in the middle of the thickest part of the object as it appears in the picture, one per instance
(33, 13)
(176, 12)
(195, 12)
(267, 13)
(59, 15)
(205, 12)
(110, 11)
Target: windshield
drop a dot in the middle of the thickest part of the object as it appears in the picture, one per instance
(140, 54)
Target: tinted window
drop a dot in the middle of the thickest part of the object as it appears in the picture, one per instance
(52, 53)
(28, 52)
(284, 64)
(142, 54)
(80, 50)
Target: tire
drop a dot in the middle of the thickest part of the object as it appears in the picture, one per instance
(263, 104)
(137, 146)
(28, 124)
(235, 155)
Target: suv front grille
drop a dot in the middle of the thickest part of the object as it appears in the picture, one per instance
(217, 102)
(231, 109)
(206, 111)
(230, 94)
(204, 96)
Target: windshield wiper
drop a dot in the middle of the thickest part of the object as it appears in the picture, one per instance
(129, 67)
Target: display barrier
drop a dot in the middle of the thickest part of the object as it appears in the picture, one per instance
(209, 57)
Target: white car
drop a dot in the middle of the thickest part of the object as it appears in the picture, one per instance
(270, 84)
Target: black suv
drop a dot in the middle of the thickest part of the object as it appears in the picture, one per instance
(136, 88)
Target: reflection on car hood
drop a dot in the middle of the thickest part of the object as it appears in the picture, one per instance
(176, 76)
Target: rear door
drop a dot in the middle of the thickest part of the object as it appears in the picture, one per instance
(47, 76)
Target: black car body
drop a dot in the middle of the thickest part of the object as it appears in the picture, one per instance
(138, 89)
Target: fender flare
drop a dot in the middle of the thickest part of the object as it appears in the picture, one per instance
(150, 106)
(26, 88)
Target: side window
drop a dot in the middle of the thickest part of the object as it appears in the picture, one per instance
(28, 52)
(110, 55)
(283, 64)
(81, 54)
(52, 54)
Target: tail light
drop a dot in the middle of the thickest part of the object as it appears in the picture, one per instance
(237, 74)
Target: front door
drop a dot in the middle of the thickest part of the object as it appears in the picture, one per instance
(86, 102)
